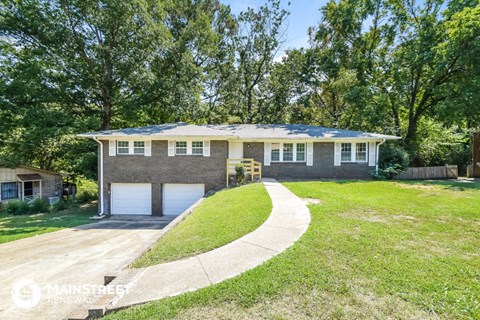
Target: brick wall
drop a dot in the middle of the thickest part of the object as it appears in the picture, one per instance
(323, 167)
(159, 168)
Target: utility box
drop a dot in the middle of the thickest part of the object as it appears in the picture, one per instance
(476, 155)
(53, 200)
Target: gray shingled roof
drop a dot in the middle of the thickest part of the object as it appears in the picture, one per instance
(241, 131)
(163, 130)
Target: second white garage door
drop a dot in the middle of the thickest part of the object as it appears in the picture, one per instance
(179, 197)
(131, 198)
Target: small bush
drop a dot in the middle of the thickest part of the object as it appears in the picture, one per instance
(39, 206)
(86, 196)
(87, 190)
(61, 205)
(16, 207)
(240, 175)
(392, 161)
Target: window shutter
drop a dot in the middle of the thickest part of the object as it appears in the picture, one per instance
(371, 154)
(148, 148)
(267, 147)
(309, 153)
(206, 148)
(112, 148)
(171, 148)
(337, 160)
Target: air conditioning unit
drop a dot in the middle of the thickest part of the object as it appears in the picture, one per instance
(53, 200)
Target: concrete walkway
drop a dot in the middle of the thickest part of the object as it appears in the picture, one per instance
(287, 223)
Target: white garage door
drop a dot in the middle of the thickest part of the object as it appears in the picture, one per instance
(131, 198)
(179, 197)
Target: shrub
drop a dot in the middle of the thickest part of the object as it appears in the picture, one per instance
(240, 175)
(39, 206)
(87, 190)
(16, 207)
(61, 205)
(86, 196)
(393, 160)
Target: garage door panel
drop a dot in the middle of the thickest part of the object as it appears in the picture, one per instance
(179, 197)
(131, 198)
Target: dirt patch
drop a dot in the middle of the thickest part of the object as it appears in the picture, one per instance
(416, 186)
(375, 216)
(308, 201)
(315, 305)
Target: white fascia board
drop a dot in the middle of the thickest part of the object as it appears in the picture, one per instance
(153, 137)
(276, 140)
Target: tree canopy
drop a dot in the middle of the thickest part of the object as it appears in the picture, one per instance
(396, 67)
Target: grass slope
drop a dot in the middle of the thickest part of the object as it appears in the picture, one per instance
(225, 216)
(24, 226)
(374, 250)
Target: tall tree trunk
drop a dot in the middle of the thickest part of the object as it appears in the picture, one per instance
(249, 107)
(106, 115)
(411, 136)
(396, 120)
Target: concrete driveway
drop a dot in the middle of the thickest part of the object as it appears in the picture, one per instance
(65, 269)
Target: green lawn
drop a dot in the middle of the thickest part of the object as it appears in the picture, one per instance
(221, 218)
(24, 226)
(374, 250)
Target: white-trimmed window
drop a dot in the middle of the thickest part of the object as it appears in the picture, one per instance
(275, 151)
(288, 152)
(197, 147)
(361, 152)
(122, 147)
(354, 152)
(9, 190)
(181, 147)
(139, 147)
(346, 152)
(130, 147)
(300, 151)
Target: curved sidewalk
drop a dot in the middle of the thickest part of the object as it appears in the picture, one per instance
(287, 223)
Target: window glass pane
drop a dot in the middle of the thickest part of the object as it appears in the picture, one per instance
(180, 147)
(300, 151)
(275, 151)
(346, 152)
(288, 152)
(197, 147)
(122, 147)
(361, 152)
(9, 190)
(139, 147)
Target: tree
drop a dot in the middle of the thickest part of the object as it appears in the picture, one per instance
(405, 55)
(257, 42)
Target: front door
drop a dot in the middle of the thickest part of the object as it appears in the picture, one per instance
(235, 150)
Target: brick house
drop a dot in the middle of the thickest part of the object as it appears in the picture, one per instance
(163, 169)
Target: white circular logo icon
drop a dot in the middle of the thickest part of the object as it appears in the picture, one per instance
(26, 293)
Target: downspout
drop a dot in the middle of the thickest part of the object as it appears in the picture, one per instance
(101, 176)
(378, 151)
